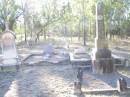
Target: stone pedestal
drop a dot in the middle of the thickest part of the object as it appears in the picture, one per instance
(102, 61)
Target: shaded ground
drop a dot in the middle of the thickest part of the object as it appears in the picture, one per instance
(42, 81)
(45, 81)
(6, 79)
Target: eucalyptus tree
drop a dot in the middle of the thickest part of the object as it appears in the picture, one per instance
(50, 15)
(66, 20)
(31, 19)
(9, 12)
(115, 15)
(85, 11)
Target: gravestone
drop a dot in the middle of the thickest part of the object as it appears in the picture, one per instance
(48, 50)
(9, 52)
(102, 61)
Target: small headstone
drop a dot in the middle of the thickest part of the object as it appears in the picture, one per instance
(122, 85)
(127, 63)
(48, 50)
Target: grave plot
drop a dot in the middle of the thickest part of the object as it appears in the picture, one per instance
(50, 55)
(42, 81)
(104, 76)
(80, 58)
(106, 82)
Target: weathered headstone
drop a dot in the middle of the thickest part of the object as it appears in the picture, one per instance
(9, 52)
(101, 55)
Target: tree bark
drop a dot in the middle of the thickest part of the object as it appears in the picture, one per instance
(44, 33)
(83, 24)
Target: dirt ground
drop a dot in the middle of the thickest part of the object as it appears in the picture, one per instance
(42, 81)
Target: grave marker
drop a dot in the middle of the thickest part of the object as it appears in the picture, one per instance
(9, 51)
(101, 55)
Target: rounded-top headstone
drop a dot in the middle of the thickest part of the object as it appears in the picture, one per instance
(8, 37)
(8, 45)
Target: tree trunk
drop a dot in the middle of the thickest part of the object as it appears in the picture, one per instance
(25, 32)
(84, 37)
(11, 24)
(83, 23)
(71, 36)
(44, 33)
(79, 31)
(84, 33)
(90, 27)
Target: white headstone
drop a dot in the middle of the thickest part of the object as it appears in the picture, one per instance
(9, 51)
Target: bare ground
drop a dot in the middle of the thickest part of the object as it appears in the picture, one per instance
(42, 81)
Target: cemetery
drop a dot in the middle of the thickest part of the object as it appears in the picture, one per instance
(49, 65)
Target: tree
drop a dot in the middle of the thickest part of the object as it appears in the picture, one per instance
(9, 12)
(115, 16)
(85, 10)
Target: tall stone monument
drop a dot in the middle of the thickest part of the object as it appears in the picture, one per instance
(101, 55)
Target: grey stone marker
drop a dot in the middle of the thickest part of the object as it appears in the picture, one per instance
(9, 50)
(122, 85)
(101, 55)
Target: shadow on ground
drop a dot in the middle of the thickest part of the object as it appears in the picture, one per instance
(6, 79)
(43, 81)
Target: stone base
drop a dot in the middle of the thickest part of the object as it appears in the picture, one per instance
(102, 66)
(102, 61)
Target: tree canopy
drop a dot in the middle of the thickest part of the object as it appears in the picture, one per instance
(67, 18)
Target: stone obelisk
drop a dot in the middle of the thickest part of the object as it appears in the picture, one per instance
(101, 56)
